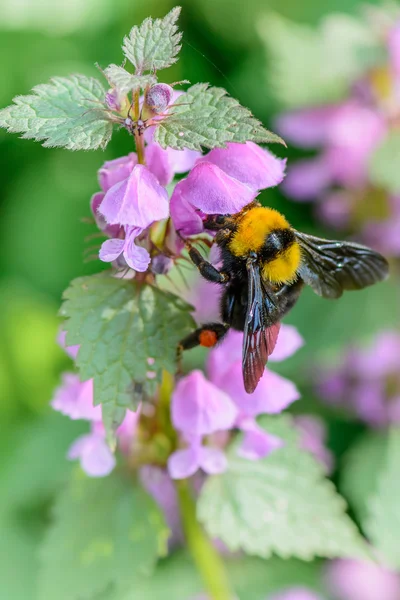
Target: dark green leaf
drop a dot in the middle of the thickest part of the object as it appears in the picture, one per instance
(281, 504)
(105, 533)
(120, 325)
(68, 112)
(155, 44)
(209, 118)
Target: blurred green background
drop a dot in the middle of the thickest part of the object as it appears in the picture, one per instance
(45, 197)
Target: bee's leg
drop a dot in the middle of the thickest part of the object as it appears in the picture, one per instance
(207, 335)
(206, 269)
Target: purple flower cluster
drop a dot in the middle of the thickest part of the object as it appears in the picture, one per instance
(345, 136)
(134, 196)
(367, 380)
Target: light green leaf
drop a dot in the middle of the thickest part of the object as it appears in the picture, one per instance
(361, 467)
(68, 112)
(252, 578)
(120, 325)
(105, 532)
(299, 55)
(154, 44)
(126, 82)
(281, 504)
(209, 118)
(383, 522)
(384, 163)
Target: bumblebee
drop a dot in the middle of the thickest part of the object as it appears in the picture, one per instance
(265, 264)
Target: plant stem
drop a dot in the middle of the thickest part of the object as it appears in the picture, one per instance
(205, 556)
(139, 140)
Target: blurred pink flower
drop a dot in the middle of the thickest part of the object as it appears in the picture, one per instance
(136, 257)
(313, 438)
(355, 580)
(296, 593)
(74, 398)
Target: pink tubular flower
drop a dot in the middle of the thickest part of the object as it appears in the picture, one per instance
(95, 456)
(136, 257)
(136, 201)
(186, 219)
(355, 580)
(74, 398)
(116, 170)
(367, 380)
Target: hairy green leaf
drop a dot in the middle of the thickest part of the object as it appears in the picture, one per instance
(127, 333)
(68, 112)
(281, 504)
(361, 467)
(105, 532)
(384, 163)
(209, 118)
(154, 44)
(383, 522)
(126, 82)
(298, 56)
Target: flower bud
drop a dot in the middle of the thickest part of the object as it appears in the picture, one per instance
(156, 100)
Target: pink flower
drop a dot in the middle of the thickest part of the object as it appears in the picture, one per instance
(186, 219)
(394, 49)
(95, 456)
(116, 170)
(110, 230)
(184, 463)
(72, 351)
(199, 407)
(74, 398)
(257, 443)
(355, 580)
(248, 163)
(137, 201)
(210, 189)
(307, 127)
(136, 257)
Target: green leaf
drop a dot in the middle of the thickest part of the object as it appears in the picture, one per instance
(252, 578)
(154, 44)
(105, 532)
(126, 82)
(299, 55)
(361, 467)
(383, 522)
(120, 325)
(281, 504)
(209, 118)
(68, 112)
(384, 163)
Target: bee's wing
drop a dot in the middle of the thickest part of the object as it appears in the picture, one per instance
(330, 267)
(260, 330)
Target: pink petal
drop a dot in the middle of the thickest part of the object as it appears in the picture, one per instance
(213, 460)
(74, 398)
(296, 593)
(289, 341)
(136, 257)
(114, 171)
(257, 443)
(72, 351)
(186, 219)
(335, 209)
(126, 432)
(158, 161)
(111, 249)
(199, 407)
(184, 463)
(394, 49)
(183, 160)
(137, 201)
(356, 580)
(249, 164)
(307, 179)
(307, 128)
(95, 456)
(211, 190)
(272, 395)
(312, 438)
(110, 230)
(224, 355)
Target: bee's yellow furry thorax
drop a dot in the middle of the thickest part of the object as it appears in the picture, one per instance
(253, 229)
